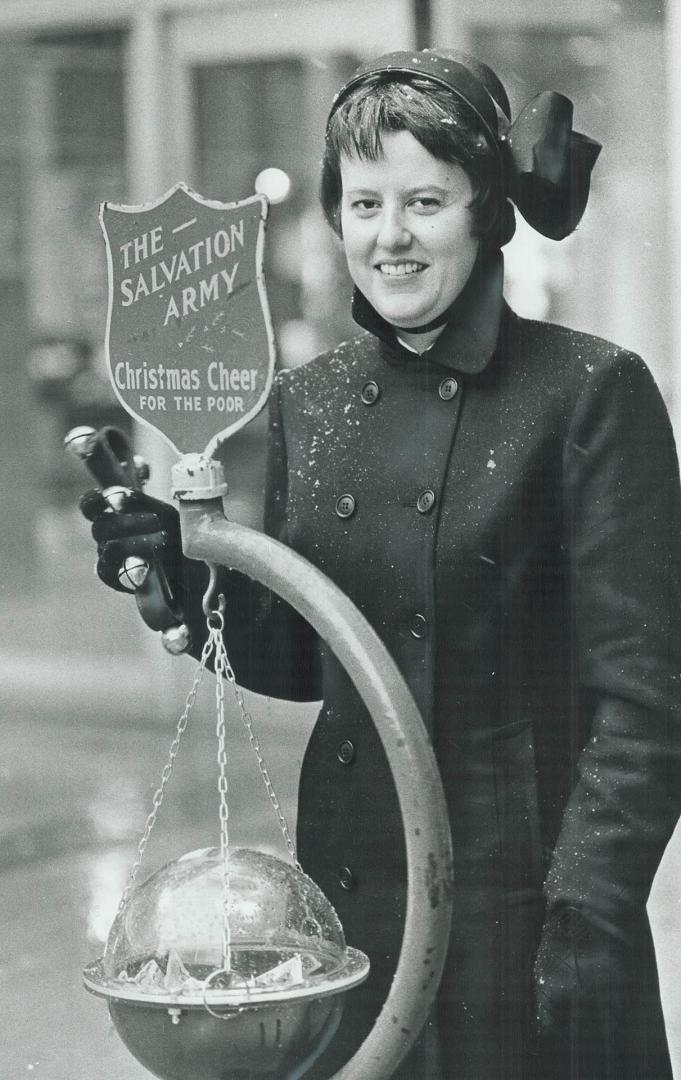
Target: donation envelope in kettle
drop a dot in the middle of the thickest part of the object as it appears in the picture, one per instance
(189, 338)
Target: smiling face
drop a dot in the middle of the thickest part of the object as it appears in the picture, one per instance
(407, 230)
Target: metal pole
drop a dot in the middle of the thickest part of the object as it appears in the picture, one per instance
(207, 535)
(673, 151)
(422, 24)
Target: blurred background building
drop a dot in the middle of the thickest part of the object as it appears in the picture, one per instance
(118, 99)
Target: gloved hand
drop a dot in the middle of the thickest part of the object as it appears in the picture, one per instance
(583, 976)
(145, 527)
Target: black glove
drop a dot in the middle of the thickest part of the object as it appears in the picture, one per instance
(144, 527)
(583, 978)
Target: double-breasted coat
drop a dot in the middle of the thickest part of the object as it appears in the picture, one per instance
(505, 512)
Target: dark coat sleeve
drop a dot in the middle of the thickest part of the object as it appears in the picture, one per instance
(623, 530)
(271, 648)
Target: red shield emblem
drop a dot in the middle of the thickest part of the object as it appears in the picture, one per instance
(189, 337)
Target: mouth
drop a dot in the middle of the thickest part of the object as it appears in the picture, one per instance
(400, 269)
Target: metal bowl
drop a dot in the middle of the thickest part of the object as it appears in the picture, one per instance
(188, 1010)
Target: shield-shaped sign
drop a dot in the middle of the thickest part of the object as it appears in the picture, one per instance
(189, 337)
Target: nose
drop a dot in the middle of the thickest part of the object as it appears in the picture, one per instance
(393, 231)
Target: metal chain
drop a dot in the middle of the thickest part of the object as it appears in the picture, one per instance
(217, 626)
(168, 768)
(223, 670)
(255, 746)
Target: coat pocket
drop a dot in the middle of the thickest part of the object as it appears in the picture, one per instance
(517, 807)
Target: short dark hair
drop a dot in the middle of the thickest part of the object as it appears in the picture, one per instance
(441, 122)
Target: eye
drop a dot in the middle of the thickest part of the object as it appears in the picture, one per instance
(426, 204)
(364, 207)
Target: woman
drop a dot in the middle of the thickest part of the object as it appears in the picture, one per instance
(500, 498)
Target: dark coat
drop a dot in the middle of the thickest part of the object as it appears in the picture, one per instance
(505, 512)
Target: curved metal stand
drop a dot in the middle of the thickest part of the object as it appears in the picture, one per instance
(206, 534)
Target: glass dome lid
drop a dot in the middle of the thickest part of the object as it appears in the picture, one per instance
(168, 944)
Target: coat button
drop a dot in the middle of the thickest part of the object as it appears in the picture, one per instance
(370, 392)
(418, 626)
(425, 501)
(345, 506)
(346, 752)
(448, 388)
(346, 878)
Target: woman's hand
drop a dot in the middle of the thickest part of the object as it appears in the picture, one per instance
(140, 526)
(583, 977)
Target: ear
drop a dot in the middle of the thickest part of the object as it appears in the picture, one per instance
(336, 222)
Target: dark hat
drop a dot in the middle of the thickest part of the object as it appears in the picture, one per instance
(470, 80)
(546, 165)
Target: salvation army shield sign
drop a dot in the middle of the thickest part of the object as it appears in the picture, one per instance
(189, 337)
